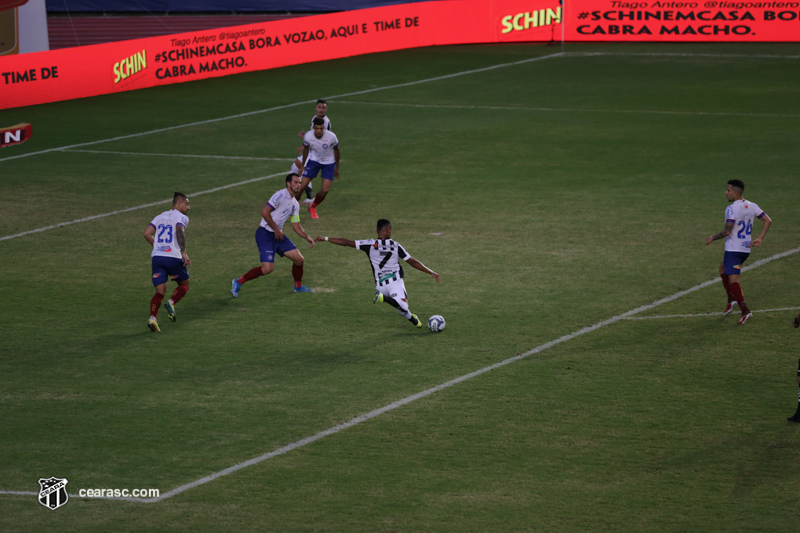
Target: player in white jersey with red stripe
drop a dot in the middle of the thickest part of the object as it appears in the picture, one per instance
(739, 219)
(321, 153)
(166, 234)
(384, 255)
(270, 238)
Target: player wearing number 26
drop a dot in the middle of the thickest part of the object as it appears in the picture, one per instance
(166, 234)
(739, 218)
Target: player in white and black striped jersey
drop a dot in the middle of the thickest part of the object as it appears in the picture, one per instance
(384, 256)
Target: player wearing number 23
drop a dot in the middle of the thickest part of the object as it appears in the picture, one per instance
(166, 234)
(739, 218)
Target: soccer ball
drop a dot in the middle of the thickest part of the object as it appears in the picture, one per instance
(436, 323)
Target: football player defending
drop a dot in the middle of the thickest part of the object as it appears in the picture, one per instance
(739, 218)
(384, 255)
(321, 153)
(321, 111)
(297, 164)
(271, 239)
(169, 262)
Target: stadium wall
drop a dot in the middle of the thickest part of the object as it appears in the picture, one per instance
(68, 73)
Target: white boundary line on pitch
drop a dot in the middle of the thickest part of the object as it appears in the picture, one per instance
(409, 399)
(143, 206)
(709, 315)
(286, 106)
(74, 146)
(573, 110)
(376, 89)
(178, 155)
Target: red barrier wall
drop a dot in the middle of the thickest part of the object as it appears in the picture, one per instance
(102, 69)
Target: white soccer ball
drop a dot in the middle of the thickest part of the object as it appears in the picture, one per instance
(436, 323)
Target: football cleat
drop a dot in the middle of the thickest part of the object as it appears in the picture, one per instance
(313, 212)
(793, 418)
(170, 311)
(416, 321)
(796, 322)
(303, 288)
(153, 325)
(729, 307)
(379, 298)
(745, 318)
(235, 288)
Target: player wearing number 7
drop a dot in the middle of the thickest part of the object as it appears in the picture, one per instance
(739, 218)
(384, 255)
(166, 234)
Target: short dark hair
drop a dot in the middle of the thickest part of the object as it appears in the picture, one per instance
(737, 184)
(382, 223)
(290, 176)
(177, 196)
(322, 101)
(319, 121)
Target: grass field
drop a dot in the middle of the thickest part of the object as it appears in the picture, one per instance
(554, 193)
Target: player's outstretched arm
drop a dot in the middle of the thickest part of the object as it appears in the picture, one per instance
(419, 266)
(764, 229)
(722, 234)
(335, 240)
(300, 231)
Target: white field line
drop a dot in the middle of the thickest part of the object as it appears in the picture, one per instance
(128, 209)
(75, 146)
(574, 109)
(405, 401)
(286, 106)
(180, 155)
(387, 87)
(705, 315)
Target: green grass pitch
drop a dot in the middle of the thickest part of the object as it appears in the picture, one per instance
(559, 190)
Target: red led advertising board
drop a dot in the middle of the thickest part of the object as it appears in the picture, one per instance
(42, 77)
(670, 21)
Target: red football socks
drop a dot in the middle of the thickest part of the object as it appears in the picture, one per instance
(180, 292)
(738, 295)
(297, 274)
(727, 287)
(155, 303)
(251, 275)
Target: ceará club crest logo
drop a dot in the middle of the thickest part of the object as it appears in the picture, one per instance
(53, 492)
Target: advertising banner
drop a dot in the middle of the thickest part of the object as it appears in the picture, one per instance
(127, 65)
(698, 21)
